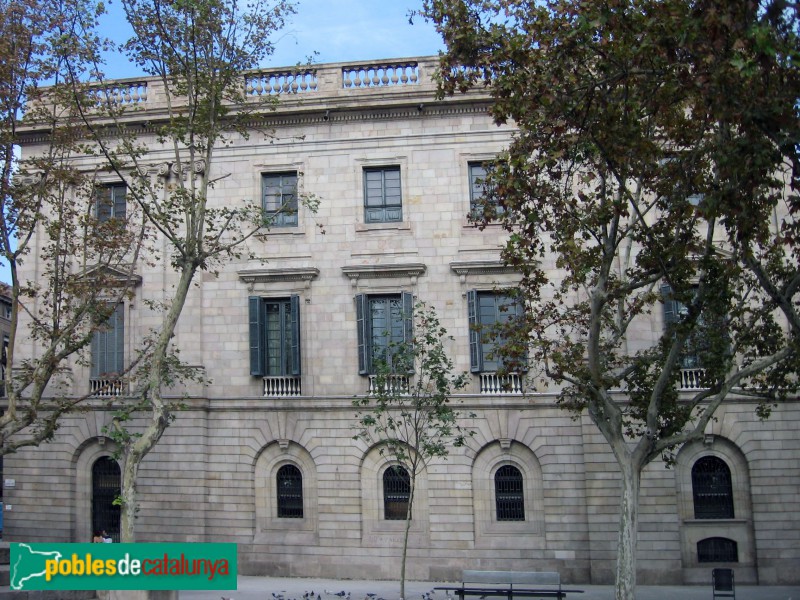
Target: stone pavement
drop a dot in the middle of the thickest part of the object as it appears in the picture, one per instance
(273, 588)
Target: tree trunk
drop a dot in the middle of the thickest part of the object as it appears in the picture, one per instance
(628, 531)
(405, 537)
(137, 448)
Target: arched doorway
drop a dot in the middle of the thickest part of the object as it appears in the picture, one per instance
(105, 490)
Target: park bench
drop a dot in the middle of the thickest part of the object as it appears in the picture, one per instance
(509, 584)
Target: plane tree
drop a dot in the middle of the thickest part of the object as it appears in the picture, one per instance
(52, 213)
(652, 176)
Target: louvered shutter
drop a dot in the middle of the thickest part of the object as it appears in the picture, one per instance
(475, 357)
(362, 318)
(294, 302)
(257, 342)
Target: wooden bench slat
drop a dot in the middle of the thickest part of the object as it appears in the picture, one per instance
(510, 584)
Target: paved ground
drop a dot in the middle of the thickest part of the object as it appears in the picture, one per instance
(273, 588)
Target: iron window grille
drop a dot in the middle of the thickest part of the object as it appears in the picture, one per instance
(508, 493)
(712, 489)
(289, 483)
(396, 493)
(717, 549)
(106, 477)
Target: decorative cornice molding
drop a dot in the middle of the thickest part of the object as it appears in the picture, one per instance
(253, 276)
(356, 272)
(480, 267)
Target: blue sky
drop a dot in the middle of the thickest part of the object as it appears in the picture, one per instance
(338, 30)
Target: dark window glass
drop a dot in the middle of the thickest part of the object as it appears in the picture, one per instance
(274, 336)
(279, 199)
(717, 549)
(383, 199)
(396, 493)
(290, 492)
(110, 202)
(384, 323)
(108, 346)
(486, 310)
(105, 489)
(508, 494)
(712, 489)
(479, 192)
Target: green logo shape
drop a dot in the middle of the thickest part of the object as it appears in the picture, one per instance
(123, 566)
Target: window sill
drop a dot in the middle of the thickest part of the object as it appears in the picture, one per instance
(401, 226)
(284, 231)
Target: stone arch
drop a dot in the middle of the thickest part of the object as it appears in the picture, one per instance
(739, 529)
(489, 532)
(377, 530)
(83, 459)
(268, 526)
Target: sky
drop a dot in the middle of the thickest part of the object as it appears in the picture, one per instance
(337, 30)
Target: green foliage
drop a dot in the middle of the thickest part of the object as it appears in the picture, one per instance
(414, 422)
(83, 265)
(656, 144)
(409, 414)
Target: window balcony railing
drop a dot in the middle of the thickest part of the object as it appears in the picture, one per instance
(282, 386)
(397, 384)
(691, 379)
(493, 384)
(102, 387)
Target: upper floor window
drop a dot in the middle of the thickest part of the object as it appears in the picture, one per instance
(108, 347)
(479, 194)
(383, 199)
(701, 341)
(110, 202)
(289, 484)
(396, 493)
(384, 322)
(712, 489)
(274, 336)
(279, 198)
(508, 494)
(487, 309)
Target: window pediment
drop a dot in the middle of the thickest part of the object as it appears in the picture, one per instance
(394, 271)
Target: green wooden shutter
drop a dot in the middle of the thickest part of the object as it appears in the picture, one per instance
(118, 334)
(294, 307)
(519, 313)
(475, 356)
(407, 301)
(362, 323)
(257, 342)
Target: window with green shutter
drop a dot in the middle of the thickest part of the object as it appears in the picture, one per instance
(274, 336)
(384, 322)
(486, 310)
(108, 346)
(383, 198)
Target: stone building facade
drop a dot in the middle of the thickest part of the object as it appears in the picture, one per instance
(279, 337)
